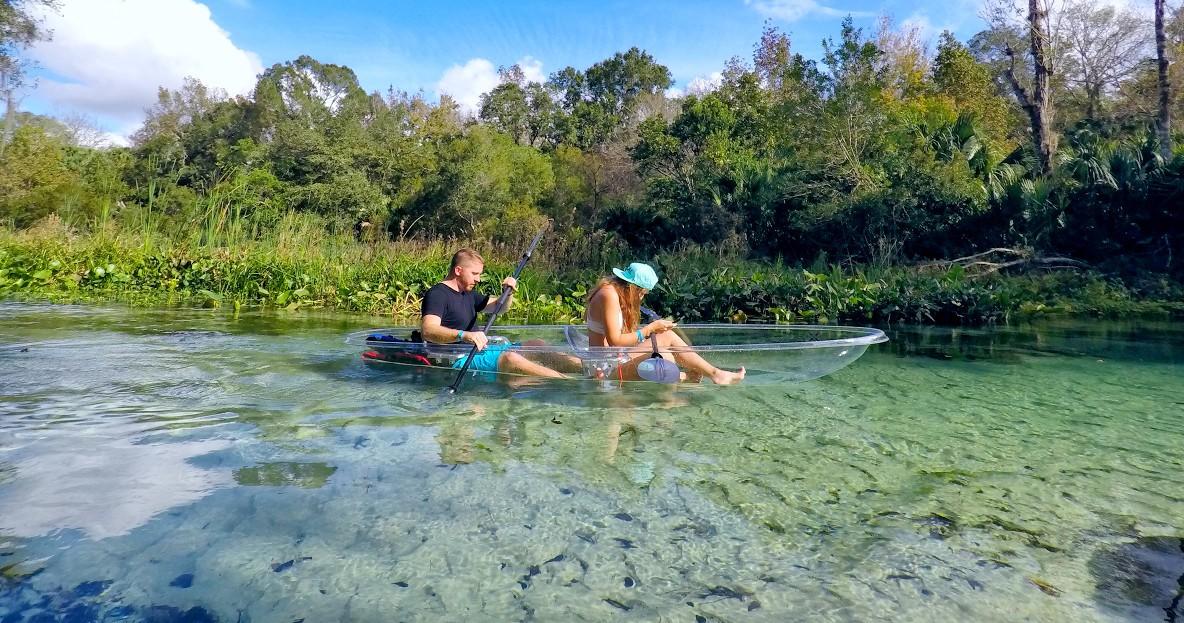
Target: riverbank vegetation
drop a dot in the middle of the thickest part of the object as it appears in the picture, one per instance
(787, 189)
(301, 268)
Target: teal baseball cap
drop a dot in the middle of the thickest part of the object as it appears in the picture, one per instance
(638, 274)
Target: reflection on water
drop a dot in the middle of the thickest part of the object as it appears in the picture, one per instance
(109, 489)
(188, 465)
(310, 475)
(1161, 342)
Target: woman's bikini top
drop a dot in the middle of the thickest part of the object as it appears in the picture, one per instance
(597, 326)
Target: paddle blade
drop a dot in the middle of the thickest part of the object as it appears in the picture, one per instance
(659, 370)
(444, 400)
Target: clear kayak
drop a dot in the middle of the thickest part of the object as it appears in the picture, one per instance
(770, 353)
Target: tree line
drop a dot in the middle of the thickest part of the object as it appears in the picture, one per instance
(1050, 130)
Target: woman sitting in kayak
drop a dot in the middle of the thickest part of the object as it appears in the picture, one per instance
(613, 314)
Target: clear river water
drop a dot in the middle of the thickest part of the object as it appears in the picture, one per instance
(195, 465)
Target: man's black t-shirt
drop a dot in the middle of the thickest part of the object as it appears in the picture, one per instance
(457, 310)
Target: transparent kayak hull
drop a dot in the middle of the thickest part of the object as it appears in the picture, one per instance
(770, 353)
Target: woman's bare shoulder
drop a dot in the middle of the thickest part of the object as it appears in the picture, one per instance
(606, 295)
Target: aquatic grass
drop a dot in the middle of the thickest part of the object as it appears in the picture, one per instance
(331, 272)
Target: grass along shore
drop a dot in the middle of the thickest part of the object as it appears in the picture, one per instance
(299, 271)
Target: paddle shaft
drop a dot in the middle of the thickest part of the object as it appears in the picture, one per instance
(653, 336)
(501, 302)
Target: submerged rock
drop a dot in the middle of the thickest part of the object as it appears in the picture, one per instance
(171, 614)
(81, 613)
(940, 526)
(185, 580)
(726, 593)
(1146, 574)
(91, 589)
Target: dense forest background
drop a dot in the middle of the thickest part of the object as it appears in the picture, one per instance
(1044, 133)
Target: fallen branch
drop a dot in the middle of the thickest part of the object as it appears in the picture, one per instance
(964, 260)
(978, 264)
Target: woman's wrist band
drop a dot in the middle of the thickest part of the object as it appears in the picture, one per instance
(460, 334)
(640, 339)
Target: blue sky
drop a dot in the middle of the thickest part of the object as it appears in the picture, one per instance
(108, 56)
(410, 44)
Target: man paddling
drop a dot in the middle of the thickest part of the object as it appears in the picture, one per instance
(449, 313)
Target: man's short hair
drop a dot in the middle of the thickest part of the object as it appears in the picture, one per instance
(465, 256)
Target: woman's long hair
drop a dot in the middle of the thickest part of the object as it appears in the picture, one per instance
(630, 296)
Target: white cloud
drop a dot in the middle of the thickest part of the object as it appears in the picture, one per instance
(467, 83)
(108, 57)
(926, 30)
(1138, 7)
(705, 84)
(698, 85)
(793, 10)
(532, 68)
(112, 139)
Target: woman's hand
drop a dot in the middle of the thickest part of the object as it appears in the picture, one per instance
(658, 326)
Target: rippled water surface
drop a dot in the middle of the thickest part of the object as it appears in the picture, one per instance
(190, 465)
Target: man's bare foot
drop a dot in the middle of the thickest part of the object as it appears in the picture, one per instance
(724, 377)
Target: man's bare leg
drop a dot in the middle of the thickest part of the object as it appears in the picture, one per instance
(559, 361)
(515, 363)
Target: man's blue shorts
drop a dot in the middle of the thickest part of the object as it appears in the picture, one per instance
(484, 361)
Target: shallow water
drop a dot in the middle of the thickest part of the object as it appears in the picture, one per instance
(190, 465)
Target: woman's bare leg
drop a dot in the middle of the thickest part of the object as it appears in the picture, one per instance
(628, 370)
(692, 361)
(688, 360)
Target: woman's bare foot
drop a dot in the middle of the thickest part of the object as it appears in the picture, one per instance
(724, 377)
